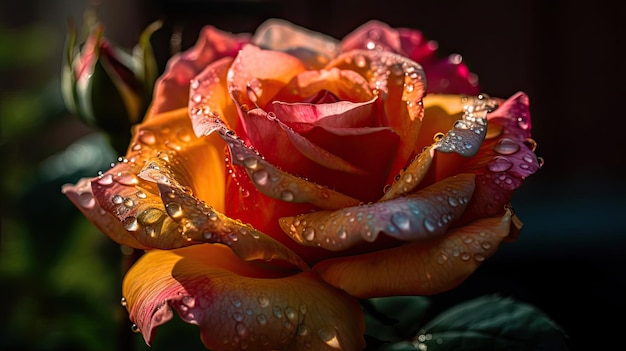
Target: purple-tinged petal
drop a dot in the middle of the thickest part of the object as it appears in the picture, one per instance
(373, 35)
(340, 114)
(314, 49)
(425, 214)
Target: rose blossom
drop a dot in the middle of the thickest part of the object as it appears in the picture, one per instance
(324, 171)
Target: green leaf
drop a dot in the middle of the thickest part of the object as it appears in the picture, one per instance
(394, 318)
(491, 323)
(143, 53)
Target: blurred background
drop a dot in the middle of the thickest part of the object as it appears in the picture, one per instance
(60, 278)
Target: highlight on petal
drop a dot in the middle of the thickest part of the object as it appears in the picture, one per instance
(420, 268)
(400, 84)
(312, 48)
(172, 88)
(423, 215)
(257, 75)
(275, 183)
(238, 305)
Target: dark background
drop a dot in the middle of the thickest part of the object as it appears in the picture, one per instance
(60, 279)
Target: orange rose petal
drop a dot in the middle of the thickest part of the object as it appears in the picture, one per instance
(80, 194)
(209, 98)
(410, 177)
(400, 84)
(275, 183)
(314, 49)
(423, 215)
(136, 203)
(257, 75)
(172, 88)
(240, 306)
(198, 222)
(345, 84)
(421, 268)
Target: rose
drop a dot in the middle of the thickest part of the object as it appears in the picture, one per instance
(323, 170)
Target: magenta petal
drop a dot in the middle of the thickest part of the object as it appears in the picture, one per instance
(451, 76)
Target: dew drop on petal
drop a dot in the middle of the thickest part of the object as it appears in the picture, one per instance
(401, 220)
(260, 177)
(130, 223)
(135, 328)
(430, 224)
(261, 319)
(123, 301)
(499, 164)
(329, 336)
(264, 301)
(251, 163)
(309, 233)
(174, 209)
(506, 146)
(286, 196)
(147, 137)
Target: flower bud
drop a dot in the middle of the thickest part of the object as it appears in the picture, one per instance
(107, 87)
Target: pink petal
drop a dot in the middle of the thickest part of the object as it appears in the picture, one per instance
(172, 88)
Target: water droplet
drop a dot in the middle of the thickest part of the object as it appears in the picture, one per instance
(238, 316)
(286, 195)
(499, 164)
(308, 233)
(126, 178)
(506, 146)
(486, 245)
(261, 319)
(147, 137)
(106, 179)
(465, 256)
(453, 201)
(130, 223)
(343, 234)
(291, 313)
(260, 177)
(522, 123)
(479, 257)
(442, 258)
(271, 116)
(135, 328)
(174, 210)
(251, 163)
(329, 336)
(241, 329)
(277, 311)
(264, 301)
(303, 330)
(401, 220)
(430, 224)
(123, 301)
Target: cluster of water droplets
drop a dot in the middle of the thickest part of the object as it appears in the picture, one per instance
(469, 132)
